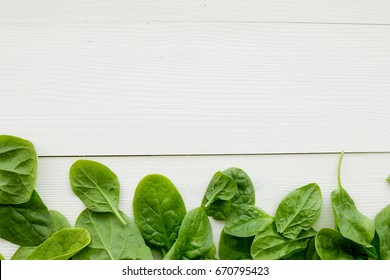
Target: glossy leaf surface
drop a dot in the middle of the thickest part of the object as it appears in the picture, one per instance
(158, 210)
(110, 239)
(96, 185)
(18, 169)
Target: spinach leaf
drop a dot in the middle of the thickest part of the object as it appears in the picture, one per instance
(221, 187)
(110, 239)
(382, 226)
(247, 220)
(195, 237)
(1, 257)
(332, 245)
(234, 248)
(298, 210)
(351, 223)
(27, 224)
(58, 221)
(158, 210)
(270, 245)
(18, 169)
(311, 252)
(221, 209)
(62, 245)
(96, 185)
(23, 252)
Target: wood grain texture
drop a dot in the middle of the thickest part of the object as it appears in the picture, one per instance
(363, 176)
(195, 88)
(331, 11)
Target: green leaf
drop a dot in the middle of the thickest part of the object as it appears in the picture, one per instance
(221, 187)
(195, 238)
(311, 252)
(1, 257)
(270, 245)
(298, 210)
(245, 194)
(26, 224)
(110, 239)
(58, 221)
(234, 248)
(382, 226)
(18, 169)
(22, 252)
(158, 210)
(332, 245)
(62, 245)
(96, 185)
(351, 223)
(247, 220)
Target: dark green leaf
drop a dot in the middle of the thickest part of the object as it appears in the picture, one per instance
(351, 223)
(221, 187)
(18, 169)
(26, 224)
(195, 238)
(62, 245)
(332, 245)
(247, 220)
(158, 210)
(234, 248)
(270, 245)
(96, 185)
(298, 210)
(311, 252)
(110, 239)
(382, 226)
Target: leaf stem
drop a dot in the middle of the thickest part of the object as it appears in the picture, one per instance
(116, 212)
(339, 168)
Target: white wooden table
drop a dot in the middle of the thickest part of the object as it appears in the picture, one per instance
(186, 88)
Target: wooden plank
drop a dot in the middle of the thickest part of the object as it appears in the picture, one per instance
(195, 88)
(274, 176)
(332, 11)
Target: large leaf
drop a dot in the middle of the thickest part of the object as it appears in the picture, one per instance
(96, 185)
(351, 223)
(234, 248)
(62, 245)
(27, 224)
(270, 245)
(331, 245)
(247, 220)
(382, 227)
(195, 238)
(298, 210)
(158, 210)
(110, 239)
(18, 169)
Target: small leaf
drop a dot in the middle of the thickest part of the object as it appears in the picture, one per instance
(158, 210)
(298, 210)
(22, 252)
(62, 245)
(247, 220)
(195, 238)
(382, 226)
(351, 223)
(1, 257)
(58, 221)
(18, 169)
(96, 185)
(110, 239)
(26, 224)
(221, 187)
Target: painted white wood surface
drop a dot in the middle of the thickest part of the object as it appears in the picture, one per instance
(195, 88)
(363, 176)
(331, 11)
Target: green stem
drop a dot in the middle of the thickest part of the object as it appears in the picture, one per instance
(339, 168)
(116, 212)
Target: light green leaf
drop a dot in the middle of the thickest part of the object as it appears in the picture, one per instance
(382, 227)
